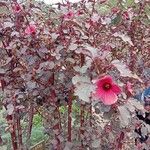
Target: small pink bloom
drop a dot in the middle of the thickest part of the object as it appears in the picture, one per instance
(31, 29)
(69, 15)
(107, 90)
(16, 8)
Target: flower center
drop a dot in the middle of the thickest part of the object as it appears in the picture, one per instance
(17, 8)
(106, 86)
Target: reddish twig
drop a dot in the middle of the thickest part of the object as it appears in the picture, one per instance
(57, 127)
(13, 133)
(30, 123)
(69, 118)
(19, 132)
(90, 115)
(81, 122)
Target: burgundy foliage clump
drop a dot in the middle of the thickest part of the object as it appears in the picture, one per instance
(51, 58)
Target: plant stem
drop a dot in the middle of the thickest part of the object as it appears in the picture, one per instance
(81, 122)
(90, 114)
(69, 118)
(57, 127)
(31, 111)
(19, 131)
(13, 133)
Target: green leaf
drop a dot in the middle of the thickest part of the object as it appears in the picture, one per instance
(113, 3)
(147, 10)
(128, 3)
(104, 9)
(37, 135)
(116, 20)
(37, 120)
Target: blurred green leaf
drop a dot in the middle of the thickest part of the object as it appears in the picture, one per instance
(128, 3)
(113, 3)
(37, 120)
(104, 9)
(37, 135)
(116, 20)
(147, 10)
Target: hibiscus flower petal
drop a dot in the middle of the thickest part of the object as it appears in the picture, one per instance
(109, 98)
(99, 92)
(105, 79)
(116, 89)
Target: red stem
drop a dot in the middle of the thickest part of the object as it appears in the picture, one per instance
(69, 118)
(56, 117)
(19, 132)
(13, 133)
(30, 121)
(59, 119)
(81, 122)
(1, 140)
(90, 115)
(57, 127)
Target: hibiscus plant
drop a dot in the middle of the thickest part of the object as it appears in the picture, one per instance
(88, 59)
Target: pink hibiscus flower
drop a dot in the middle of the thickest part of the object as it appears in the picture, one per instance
(107, 90)
(31, 29)
(16, 8)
